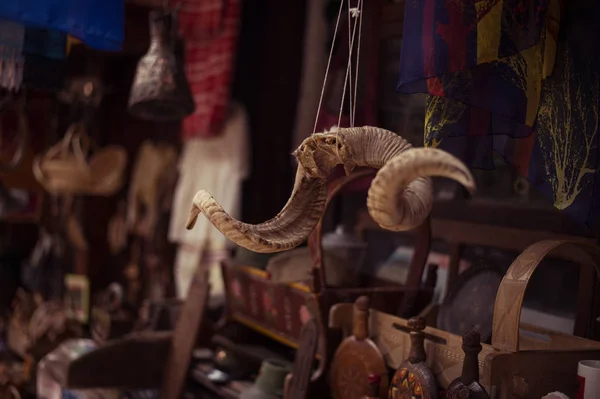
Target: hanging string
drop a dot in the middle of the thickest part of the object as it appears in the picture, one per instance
(349, 66)
(355, 13)
(337, 24)
(360, 19)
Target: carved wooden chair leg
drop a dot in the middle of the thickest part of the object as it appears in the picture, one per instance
(297, 382)
(184, 336)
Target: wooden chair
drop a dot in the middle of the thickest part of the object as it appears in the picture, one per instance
(246, 287)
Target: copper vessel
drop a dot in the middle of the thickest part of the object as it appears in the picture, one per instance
(160, 91)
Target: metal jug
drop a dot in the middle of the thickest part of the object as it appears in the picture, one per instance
(160, 90)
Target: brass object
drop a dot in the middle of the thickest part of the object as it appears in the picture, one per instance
(160, 91)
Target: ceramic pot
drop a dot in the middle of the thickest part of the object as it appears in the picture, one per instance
(344, 256)
(270, 380)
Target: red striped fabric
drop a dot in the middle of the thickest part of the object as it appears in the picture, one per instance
(210, 30)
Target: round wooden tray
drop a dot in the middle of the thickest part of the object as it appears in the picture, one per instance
(470, 301)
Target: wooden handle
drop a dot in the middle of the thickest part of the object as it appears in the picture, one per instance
(298, 382)
(360, 323)
(509, 300)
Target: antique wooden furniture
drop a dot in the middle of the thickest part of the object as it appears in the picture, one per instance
(414, 379)
(146, 360)
(357, 358)
(298, 381)
(467, 386)
(508, 228)
(277, 310)
(523, 361)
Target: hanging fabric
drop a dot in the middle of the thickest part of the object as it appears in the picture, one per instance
(30, 56)
(12, 39)
(220, 164)
(210, 29)
(98, 23)
(501, 76)
(483, 62)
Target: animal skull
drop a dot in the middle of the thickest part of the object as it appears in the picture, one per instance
(399, 199)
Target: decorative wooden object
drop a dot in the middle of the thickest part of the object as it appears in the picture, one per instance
(356, 358)
(470, 301)
(184, 337)
(279, 311)
(414, 379)
(467, 386)
(374, 382)
(523, 361)
(276, 310)
(297, 383)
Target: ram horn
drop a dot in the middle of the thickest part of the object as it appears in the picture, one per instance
(402, 208)
(285, 231)
(401, 197)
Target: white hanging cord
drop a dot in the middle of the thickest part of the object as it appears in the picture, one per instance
(355, 12)
(360, 19)
(337, 24)
(350, 14)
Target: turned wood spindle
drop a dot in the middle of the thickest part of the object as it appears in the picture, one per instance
(417, 340)
(361, 319)
(467, 385)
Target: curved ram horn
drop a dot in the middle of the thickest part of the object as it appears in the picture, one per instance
(401, 196)
(285, 231)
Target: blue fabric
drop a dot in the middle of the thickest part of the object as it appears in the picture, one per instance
(98, 23)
